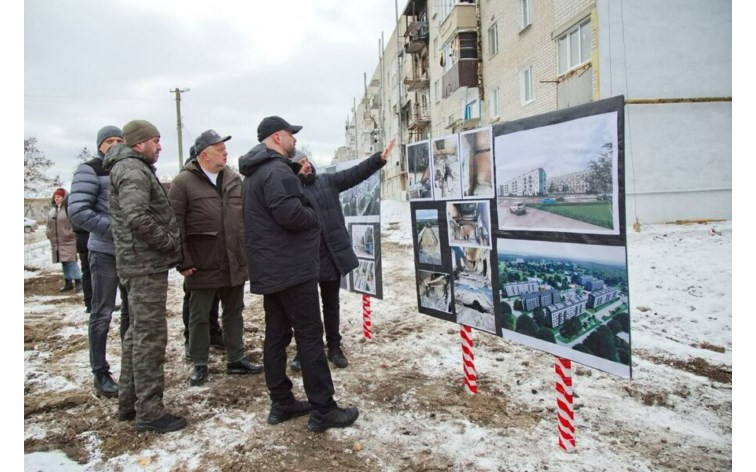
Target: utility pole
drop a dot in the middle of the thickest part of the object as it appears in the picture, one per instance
(178, 93)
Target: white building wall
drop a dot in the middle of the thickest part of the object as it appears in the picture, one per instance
(678, 156)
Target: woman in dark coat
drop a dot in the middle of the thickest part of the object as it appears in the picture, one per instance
(63, 241)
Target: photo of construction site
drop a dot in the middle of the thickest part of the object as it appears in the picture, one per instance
(446, 169)
(477, 161)
(435, 290)
(428, 237)
(562, 177)
(469, 224)
(473, 295)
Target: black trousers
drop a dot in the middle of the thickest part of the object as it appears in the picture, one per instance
(296, 308)
(82, 239)
(214, 325)
(329, 294)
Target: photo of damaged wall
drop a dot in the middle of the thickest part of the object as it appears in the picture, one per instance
(473, 296)
(435, 290)
(469, 223)
(446, 170)
(476, 156)
(419, 183)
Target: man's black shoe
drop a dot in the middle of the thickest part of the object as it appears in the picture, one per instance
(105, 385)
(336, 355)
(164, 424)
(336, 418)
(127, 416)
(242, 367)
(280, 413)
(216, 340)
(295, 365)
(199, 375)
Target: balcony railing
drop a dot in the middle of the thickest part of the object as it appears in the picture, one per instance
(416, 37)
(418, 117)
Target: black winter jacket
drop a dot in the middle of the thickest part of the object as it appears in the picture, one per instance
(323, 191)
(281, 230)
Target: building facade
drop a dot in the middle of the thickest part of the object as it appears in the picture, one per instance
(530, 184)
(455, 65)
(560, 313)
(602, 296)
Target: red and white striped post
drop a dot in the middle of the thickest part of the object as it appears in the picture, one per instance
(367, 325)
(468, 360)
(565, 413)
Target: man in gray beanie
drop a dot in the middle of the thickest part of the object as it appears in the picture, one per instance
(88, 211)
(147, 246)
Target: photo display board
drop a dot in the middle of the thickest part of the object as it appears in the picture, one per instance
(361, 205)
(519, 231)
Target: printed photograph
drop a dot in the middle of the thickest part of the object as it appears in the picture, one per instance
(428, 239)
(419, 183)
(446, 168)
(574, 296)
(561, 177)
(435, 290)
(363, 240)
(363, 277)
(473, 296)
(363, 199)
(469, 224)
(477, 159)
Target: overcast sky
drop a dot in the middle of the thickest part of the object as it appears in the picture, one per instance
(93, 63)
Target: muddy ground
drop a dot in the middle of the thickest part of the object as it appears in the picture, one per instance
(415, 414)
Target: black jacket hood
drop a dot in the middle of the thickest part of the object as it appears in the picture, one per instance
(259, 155)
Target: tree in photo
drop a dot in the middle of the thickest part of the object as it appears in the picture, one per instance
(525, 325)
(601, 342)
(546, 335)
(36, 181)
(600, 176)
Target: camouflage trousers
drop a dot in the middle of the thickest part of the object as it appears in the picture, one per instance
(143, 352)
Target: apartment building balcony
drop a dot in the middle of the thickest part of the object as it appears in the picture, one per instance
(418, 117)
(417, 82)
(416, 37)
(464, 73)
(462, 17)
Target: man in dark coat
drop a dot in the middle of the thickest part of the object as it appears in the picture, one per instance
(282, 234)
(88, 210)
(147, 245)
(206, 199)
(337, 257)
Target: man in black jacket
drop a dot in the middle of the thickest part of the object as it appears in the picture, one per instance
(337, 257)
(282, 236)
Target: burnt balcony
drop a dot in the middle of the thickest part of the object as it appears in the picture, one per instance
(464, 73)
(418, 117)
(416, 83)
(416, 37)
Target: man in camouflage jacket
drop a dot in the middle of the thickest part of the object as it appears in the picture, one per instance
(147, 246)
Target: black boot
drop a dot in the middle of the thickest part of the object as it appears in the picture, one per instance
(164, 424)
(77, 285)
(280, 413)
(105, 385)
(68, 286)
(336, 418)
(199, 375)
(336, 355)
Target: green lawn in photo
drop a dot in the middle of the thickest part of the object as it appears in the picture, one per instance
(595, 213)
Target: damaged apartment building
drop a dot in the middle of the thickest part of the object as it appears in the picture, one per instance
(451, 66)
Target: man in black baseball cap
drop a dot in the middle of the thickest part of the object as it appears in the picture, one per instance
(273, 124)
(208, 138)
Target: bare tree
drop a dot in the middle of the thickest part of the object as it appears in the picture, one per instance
(84, 156)
(36, 181)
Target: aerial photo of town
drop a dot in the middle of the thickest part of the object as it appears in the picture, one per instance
(571, 295)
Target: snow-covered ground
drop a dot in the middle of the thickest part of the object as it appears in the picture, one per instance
(675, 414)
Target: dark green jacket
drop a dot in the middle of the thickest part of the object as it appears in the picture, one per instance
(145, 232)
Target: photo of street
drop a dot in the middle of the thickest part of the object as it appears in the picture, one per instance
(428, 239)
(363, 241)
(561, 177)
(570, 295)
